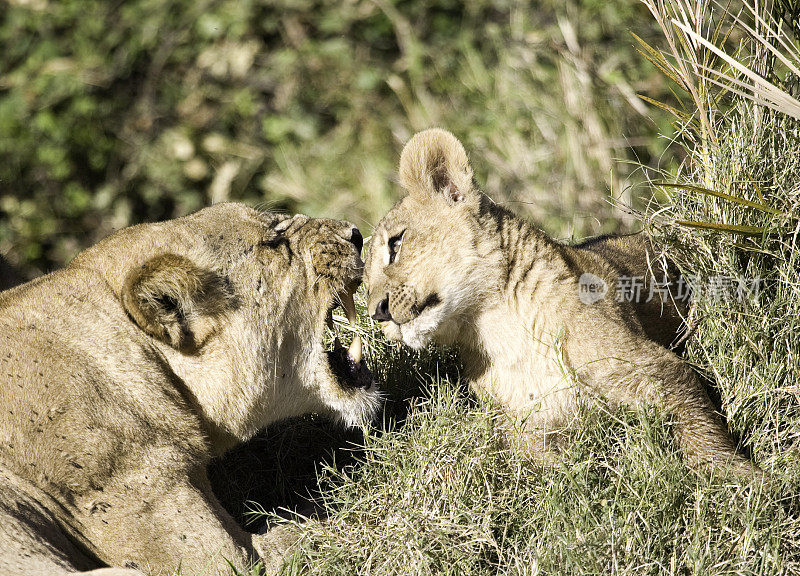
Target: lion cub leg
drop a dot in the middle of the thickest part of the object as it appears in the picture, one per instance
(633, 369)
(536, 424)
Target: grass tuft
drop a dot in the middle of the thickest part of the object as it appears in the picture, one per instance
(446, 494)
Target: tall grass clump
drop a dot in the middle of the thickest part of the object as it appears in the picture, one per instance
(734, 213)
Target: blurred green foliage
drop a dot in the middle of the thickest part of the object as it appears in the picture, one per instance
(112, 113)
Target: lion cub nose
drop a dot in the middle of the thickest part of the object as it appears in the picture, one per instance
(382, 311)
(357, 239)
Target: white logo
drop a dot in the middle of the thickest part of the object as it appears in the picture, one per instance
(591, 288)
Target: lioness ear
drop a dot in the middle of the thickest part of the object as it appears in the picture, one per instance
(434, 162)
(176, 301)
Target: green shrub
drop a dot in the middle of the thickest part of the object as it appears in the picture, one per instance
(116, 113)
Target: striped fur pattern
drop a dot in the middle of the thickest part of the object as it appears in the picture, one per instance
(534, 320)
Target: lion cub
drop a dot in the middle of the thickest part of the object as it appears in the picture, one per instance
(532, 318)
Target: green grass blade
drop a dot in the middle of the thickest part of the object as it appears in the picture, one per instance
(671, 109)
(658, 60)
(732, 228)
(735, 199)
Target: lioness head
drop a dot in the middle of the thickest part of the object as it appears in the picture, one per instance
(430, 265)
(236, 302)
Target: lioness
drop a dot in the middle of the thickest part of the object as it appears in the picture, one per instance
(532, 318)
(154, 351)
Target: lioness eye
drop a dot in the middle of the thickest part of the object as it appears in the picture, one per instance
(395, 242)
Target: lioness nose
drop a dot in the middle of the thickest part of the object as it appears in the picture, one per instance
(382, 311)
(357, 239)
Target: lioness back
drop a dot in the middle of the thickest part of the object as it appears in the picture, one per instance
(535, 320)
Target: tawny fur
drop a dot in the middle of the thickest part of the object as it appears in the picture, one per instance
(447, 265)
(154, 351)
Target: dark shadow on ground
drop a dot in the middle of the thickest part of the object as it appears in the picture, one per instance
(278, 468)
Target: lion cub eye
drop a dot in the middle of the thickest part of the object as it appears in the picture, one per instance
(394, 244)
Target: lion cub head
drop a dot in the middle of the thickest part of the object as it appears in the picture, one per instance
(430, 266)
(236, 301)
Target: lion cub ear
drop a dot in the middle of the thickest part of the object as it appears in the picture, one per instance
(176, 301)
(434, 162)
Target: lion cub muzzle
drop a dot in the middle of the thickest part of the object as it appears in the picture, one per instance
(403, 305)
